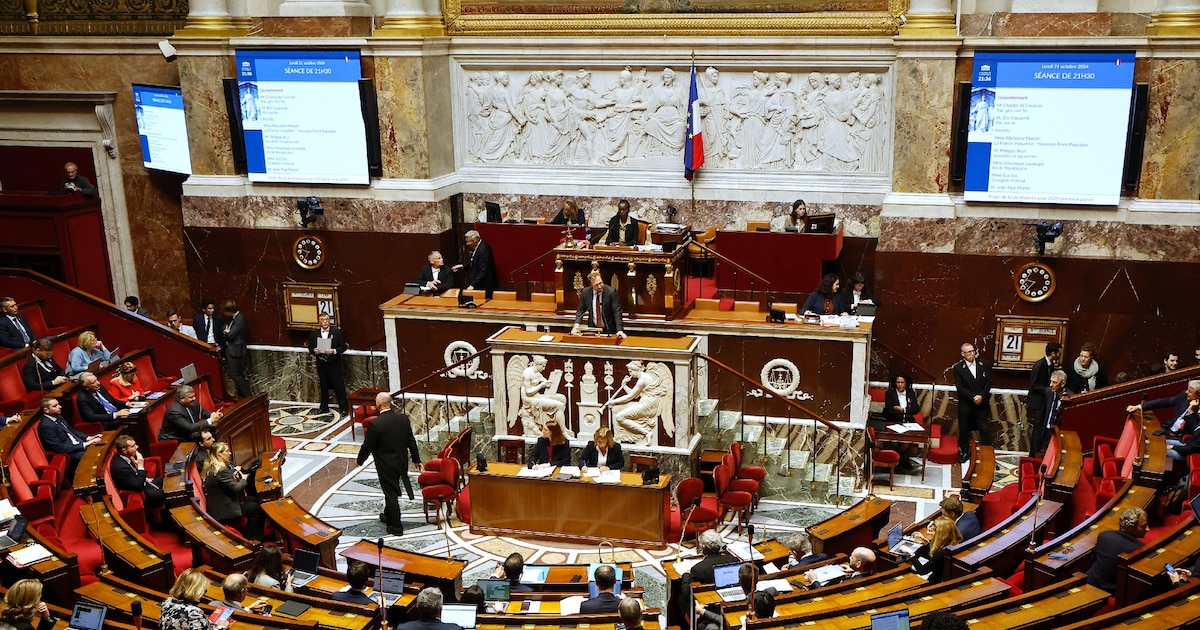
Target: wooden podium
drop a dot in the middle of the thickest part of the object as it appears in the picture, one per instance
(649, 282)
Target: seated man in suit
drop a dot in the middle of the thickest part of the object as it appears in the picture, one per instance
(59, 437)
(428, 609)
(713, 547)
(801, 551)
(1112, 543)
(435, 277)
(175, 322)
(861, 563)
(233, 587)
(604, 601)
(127, 470)
(710, 618)
(1177, 403)
(185, 417)
(967, 522)
(358, 573)
(15, 331)
(95, 404)
(41, 372)
(603, 452)
(601, 306)
(511, 570)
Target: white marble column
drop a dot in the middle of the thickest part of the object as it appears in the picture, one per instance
(324, 8)
(929, 18)
(412, 18)
(1175, 17)
(206, 16)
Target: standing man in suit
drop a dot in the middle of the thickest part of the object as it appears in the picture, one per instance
(128, 472)
(329, 363)
(1039, 376)
(605, 600)
(602, 300)
(973, 380)
(95, 404)
(429, 612)
(1052, 399)
(436, 277)
(185, 417)
(208, 325)
(235, 347)
(41, 373)
(59, 437)
(481, 274)
(15, 331)
(390, 439)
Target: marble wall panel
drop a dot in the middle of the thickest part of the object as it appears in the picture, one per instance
(1052, 24)
(1171, 166)
(924, 108)
(314, 26)
(292, 376)
(401, 88)
(341, 214)
(207, 118)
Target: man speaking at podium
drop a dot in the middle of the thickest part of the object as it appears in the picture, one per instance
(601, 306)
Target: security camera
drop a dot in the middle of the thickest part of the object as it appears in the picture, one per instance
(168, 51)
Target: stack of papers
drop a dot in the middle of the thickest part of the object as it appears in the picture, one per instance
(906, 427)
(611, 476)
(570, 605)
(683, 566)
(741, 550)
(780, 585)
(536, 472)
(29, 554)
(535, 574)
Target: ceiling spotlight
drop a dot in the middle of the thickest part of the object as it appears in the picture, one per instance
(310, 208)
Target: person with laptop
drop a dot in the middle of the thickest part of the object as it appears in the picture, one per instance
(124, 384)
(96, 405)
(856, 293)
(233, 587)
(428, 610)
(89, 349)
(357, 576)
(733, 582)
(268, 570)
(861, 563)
(127, 471)
(605, 600)
(930, 560)
(185, 417)
(511, 570)
(23, 605)
(713, 547)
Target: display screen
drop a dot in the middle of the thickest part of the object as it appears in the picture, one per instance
(1048, 127)
(162, 128)
(302, 116)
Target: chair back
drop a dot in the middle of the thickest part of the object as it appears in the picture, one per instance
(642, 463)
(687, 491)
(450, 474)
(12, 388)
(20, 472)
(735, 449)
(721, 477)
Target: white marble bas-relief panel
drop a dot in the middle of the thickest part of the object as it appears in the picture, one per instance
(752, 120)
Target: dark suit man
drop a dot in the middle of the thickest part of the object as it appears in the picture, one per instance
(1178, 404)
(1039, 375)
(428, 611)
(1052, 399)
(609, 307)
(235, 347)
(358, 573)
(15, 331)
(41, 373)
(973, 380)
(621, 228)
(329, 363)
(802, 554)
(604, 601)
(209, 326)
(59, 437)
(185, 417)
(481, 274)
(435, 278)
(127, 471)
(95, 404)
(390, 439)
(713, 548)
(1112, 543)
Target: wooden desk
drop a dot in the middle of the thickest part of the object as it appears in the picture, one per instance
(919, 439)
(1003, 546)
(225, 553)
(1141, 572)
(1070, 468)
(1177, 608)
(303, 530)
(126, 552)
(268, 480)
(1154, 461)
(175, 483)
(326, 613)
(772, 551)
(585, 622)
(59, 574)
(980, 475)
(1040, 569)
(1060, 603)
(648, 283)
(760, 251)
(856, 526)
(883, 554)
(504, 504)
(430, 570)
(89, 481)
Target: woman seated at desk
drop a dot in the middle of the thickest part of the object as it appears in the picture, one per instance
(604, 451)
(793, 221)
(930, 561)
(89, 349)
(825, 300)
(124, 386)
(622, 228)
(224, 486)
(552, 448)
(569, 215)
(857, 293)
(900, 406)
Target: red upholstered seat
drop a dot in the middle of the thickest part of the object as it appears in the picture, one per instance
(442, 493)
(883, 458)
(740, 485)
(941, 450)
(462, 506)
(729, 499)
(757, 473)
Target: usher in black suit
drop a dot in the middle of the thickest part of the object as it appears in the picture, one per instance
(329, 367)
(973, 417)
(390, 439)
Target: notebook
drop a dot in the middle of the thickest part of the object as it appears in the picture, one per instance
(13, 536)
(304, 567)
(87, 617)
(392, 585)
(895, 620)
(462, 615)
(725, 577)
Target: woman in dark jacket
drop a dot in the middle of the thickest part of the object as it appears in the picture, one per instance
(552, 448)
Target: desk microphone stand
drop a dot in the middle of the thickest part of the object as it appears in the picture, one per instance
(383, 624)
(753, 574)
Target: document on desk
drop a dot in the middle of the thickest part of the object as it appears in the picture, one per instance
(610, 476)
(741, 550)
(535, 575)
(569, 470)
(591, 471)
(536, 472)
(906, 427)
(827, 572)
(570, 605)
(683, 566)
(780, 585)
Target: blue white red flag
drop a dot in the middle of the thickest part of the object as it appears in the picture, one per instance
(693, 144)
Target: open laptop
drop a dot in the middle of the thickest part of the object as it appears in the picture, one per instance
(895, 620)
(412, 288)
(462, 615)
(12, 538)
(866, 310)
(900, 544)
(1195, 503)
(495, 591)
(725, 577)
(392, 585)
(87, 617)
(304, 567)
(188, 373)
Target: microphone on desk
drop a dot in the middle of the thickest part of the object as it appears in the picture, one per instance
(683, 531)
(379, 580)
(753, 573)
(136, 609)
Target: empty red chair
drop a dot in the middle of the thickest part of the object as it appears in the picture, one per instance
(702, 516)
(883, 458)
(741, 485)
(729, 499)
(757, 473)
(438, 488)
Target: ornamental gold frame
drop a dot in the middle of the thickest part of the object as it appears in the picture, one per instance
(860, 23)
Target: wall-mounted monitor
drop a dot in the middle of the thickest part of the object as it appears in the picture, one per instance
(1048, 127)
(162, 128)
(301, 116)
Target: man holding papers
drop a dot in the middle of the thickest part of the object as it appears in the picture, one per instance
(327, 344)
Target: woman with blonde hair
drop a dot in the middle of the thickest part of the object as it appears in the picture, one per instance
(89, 349)
(124, 385)
(604, 451)
(224, 489)
(931, 559)
(569, 215)
(22, 604)
(552, 448)
(181, 610)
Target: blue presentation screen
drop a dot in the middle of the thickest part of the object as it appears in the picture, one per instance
(1048, 127)
(302, 117)
(162, 128)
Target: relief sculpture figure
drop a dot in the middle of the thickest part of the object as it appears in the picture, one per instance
(533, 399)
(647, 399)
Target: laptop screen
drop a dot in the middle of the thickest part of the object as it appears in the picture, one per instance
(895, 534)
(392, 581)
(495, 590)
(87, 617)
(188, 373)
(1195, 507)
(726, 574)
(305, 560)
(895, 620)
(460, 614)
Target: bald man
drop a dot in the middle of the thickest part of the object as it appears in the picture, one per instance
(390, 440)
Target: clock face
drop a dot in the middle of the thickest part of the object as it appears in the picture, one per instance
(309, 252)
(1034, 282)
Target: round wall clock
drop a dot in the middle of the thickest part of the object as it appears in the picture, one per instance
(1034, 282)
(309, 252)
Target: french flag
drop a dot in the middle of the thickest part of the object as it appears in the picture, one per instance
(693, 145)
